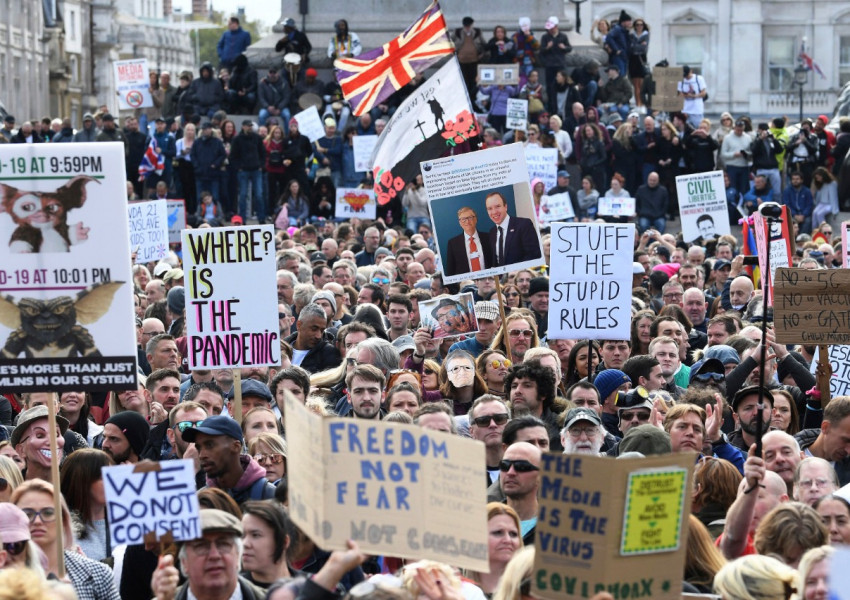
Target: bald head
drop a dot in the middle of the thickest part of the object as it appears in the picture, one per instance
(740, 292)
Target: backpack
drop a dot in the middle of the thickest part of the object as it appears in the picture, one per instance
(699, 89)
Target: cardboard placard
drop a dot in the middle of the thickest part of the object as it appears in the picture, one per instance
(517, 115)
(811, 307)
(64, 246)
(148, 230)
(310, 124)
(557, 207)
(845, 247)
(363, 146)
(702, 205)
(355, 202)
(616, 207)
(449, 315)
(132, 83)
(466, 182)
(839, 360)
(666, 97)
(591, 281)
(148, 501)
(230, 323)
(781, 248)
(176, 219)
(397, 490)
(542, 164)
(498, 74)
(612, 525)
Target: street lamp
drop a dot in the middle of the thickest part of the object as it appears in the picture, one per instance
(801, 78)
(578, 17)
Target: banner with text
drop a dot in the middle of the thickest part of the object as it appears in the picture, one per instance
(781, 247)
(557, 207)
(176, 219)
(611, 525)
(542, 164)
(616, 207)
(355, 202)
(148, 230)
(310, 124)
(396, 490)
(517, 115)
(132, 83)
(702, 206)
(839, 360)
(229, 323)
(66, 287)
(363, 147)
(152, 501)
(811, 306)
(591, 281)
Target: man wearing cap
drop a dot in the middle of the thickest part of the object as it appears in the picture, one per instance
(470, 46)
(248, 156)
(538, 302)
(294, 40)
(219, 443)
(721, 269)
(125, 436)
(469, 251)
(110, 133)
(208, 156)
(487, 314)
(745, 413)
(617, 92)
(175, 305)
(275, 94)
(31, 440)
(531, 389)
(562, 185)
(8, 129)
(735, 151)
(583, 432)
(255, 394)
(310, 350)
(452, 318)
(210, 564)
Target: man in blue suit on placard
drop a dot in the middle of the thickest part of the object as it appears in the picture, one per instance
(513, 239)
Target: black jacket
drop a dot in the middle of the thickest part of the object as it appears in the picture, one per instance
(765, 152)
(323, 356)
(247, 152)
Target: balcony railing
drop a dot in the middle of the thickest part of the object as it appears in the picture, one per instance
(788, 102)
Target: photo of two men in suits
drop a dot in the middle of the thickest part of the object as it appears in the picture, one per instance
(506, 240)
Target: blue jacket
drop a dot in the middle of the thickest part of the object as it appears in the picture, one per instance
(799, 202)
(618, 39)
(232, 44)
(754, 198)
(207, 156)
(166, 143)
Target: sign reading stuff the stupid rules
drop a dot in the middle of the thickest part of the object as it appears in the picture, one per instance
(66, 287)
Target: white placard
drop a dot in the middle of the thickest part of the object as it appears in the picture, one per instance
(132, 83)
(845, 246)
(591, 281)
(148, 230)
(557, 207)
(152, 502)
(355, 202)
(231, 323)
(364, 145)
(310, 124)
(468, 181)
(542, 164)
(517, 115)
(64, 246)
(839, 360)
(616, 207)
(702, 205)
(176, 219)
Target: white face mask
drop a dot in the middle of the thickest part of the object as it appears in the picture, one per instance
(738, 306)
(459, 376)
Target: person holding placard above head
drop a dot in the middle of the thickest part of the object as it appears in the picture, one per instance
(512, 239)
(468, 252)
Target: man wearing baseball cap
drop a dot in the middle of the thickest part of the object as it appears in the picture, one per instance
(583, 432)
(219, 443)
(487, 315)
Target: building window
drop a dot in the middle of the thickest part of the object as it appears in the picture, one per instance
(72, 26)
(690, 50)
(843, 60)
(781, 60)
(75, 70)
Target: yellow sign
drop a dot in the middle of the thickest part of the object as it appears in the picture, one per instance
(655, 504)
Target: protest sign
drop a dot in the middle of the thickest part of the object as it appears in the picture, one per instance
(149, 501)
(616, 207)
(132, 83)
(845, 247)
(354, 202)
(703, 206)
(396, 490)
(498, 74)
(811, 306)
(839, 570)
(492, 186)
(612, 525)
(230, 324)
(148, 230)
(591, 281)
(65, 257)
(839, 360)
(557, 207)
(176, 219)
(781, 248)
(364, 145)
(542, 164)
(449, 315)
(517, 115)
(310, 124)
(666, 96)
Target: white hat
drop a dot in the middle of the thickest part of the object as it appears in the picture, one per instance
(551, 22)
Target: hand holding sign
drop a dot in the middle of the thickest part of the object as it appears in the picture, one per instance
(165, 578)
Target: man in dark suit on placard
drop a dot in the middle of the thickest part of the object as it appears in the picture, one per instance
(470, 251)
(512, 239)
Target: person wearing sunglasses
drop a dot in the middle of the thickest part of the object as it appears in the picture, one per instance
(17, 548)
(452, 318)
(493, 367)
(519, 468)
(487, 419)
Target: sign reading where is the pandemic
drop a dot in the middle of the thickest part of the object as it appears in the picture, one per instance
(66, 289)
(617, 526)
(229, 322)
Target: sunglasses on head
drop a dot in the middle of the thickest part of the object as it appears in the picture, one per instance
(484, 421)
(520, 466)
(184, 425)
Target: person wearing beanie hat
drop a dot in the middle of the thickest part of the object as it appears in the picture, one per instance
(609, 382)
(647, 439)
(618, 40)
(176, 303)
(538, 301)
(326, 300)
(125, 436)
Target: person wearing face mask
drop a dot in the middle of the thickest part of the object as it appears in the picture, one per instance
(460, 383)
(31, 440)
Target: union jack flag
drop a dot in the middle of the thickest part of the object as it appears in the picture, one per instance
(809, 62)
(151, 162)
(375, 75)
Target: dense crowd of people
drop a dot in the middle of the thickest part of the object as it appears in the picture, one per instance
(353, 342)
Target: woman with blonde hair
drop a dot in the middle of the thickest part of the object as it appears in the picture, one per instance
(504, 539)
(625, 158)
(516, 578)
(813, 573)
(269, 450)
(492, 366)
(755, 577)
(258, 420)
(10, 478)
(702, 558)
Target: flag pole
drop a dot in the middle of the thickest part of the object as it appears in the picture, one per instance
(505, 335)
